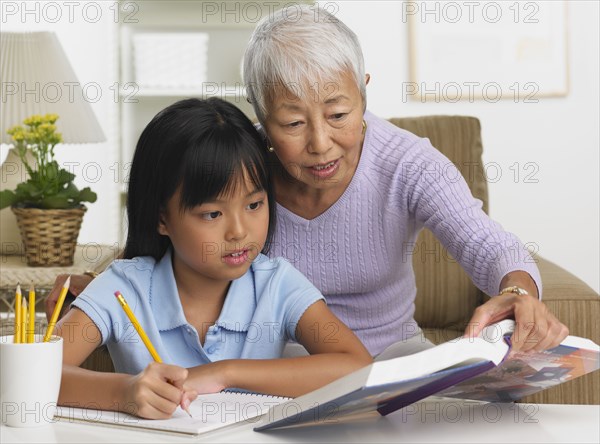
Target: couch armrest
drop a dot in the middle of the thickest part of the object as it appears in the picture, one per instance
(577, 306)
(571, 300)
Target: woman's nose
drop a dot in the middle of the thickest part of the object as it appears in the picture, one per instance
(320, 139)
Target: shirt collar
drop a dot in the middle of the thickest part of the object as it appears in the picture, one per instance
(240, 303)
(164, 296)
(237, 311)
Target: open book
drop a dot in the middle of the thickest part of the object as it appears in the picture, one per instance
(209, 412)
(470, 368)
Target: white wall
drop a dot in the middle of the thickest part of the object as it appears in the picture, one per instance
(87, 35)
(560, 213)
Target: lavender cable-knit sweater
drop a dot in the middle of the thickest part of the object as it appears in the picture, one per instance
(358, 252)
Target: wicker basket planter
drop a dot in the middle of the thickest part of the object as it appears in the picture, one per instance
(49, 236)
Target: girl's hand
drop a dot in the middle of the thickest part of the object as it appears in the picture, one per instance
(207, 378)
(156, 392)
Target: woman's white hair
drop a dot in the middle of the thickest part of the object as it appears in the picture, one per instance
(297, 48)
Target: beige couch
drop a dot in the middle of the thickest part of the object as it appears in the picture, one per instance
(446, 297)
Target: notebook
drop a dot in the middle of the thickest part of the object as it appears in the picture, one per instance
(209, 412)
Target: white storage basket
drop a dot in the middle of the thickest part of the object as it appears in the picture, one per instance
(170, 60)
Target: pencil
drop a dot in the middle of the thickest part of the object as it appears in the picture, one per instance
(17, 334)
(57, 309)
(31, 330)
(141, 332)
(138, 327)
(24, 314)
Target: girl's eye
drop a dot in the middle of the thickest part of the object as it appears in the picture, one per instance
(255, 205)
(211, 216)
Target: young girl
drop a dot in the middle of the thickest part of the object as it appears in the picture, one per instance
(201, 210)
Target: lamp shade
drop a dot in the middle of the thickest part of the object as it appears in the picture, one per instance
(37, 78)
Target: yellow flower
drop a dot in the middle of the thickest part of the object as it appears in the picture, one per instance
(15, 130)
(51, 118)
(45, 130)
(17, 133)
(34, 120)
(55, 139)
(38, 131)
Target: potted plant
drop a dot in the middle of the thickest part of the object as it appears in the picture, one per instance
(48, 205)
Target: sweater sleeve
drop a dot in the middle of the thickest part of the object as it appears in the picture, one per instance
(440, 199)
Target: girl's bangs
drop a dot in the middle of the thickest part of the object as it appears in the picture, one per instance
(209, 174)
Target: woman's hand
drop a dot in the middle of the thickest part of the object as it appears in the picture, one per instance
(156, 392)
(78, 283)
(536, 328)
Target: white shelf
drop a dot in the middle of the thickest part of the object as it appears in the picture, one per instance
(198, 13)
(228, 25)
(208, 90)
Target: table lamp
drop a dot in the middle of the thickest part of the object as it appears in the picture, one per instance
(37, 78)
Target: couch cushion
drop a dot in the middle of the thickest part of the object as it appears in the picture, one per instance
(446, 297)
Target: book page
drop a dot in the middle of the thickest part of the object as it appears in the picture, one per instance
(209, 412)
(461, 351)
(523, 374)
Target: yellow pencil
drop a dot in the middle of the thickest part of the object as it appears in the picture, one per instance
(57, 309)
(137, 326)
(141, 332)
(24, 314)
(31, 330)
(17, 333)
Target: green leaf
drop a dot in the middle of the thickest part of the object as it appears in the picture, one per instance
(7, 198)
(65, 177)
(71, 191)
(50, 172)
(87, 195)
(29, 189)
(56, 202)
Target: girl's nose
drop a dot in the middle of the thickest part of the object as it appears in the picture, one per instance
(236, 229)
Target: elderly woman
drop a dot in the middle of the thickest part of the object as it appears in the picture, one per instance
(348, 206)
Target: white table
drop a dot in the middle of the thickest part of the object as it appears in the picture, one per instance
(428, 421)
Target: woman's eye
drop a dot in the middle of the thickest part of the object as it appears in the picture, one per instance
(211, 216)
(255, 205)
(293, 124)
(338, 116)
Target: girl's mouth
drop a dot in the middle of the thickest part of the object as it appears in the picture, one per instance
(236, 258)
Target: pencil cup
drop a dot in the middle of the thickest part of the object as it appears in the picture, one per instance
(30, 380)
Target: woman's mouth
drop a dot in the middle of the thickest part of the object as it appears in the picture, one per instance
(324, 170)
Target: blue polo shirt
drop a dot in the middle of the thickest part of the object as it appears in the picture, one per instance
(260, 313)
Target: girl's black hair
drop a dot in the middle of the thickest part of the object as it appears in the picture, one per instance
(204, 146)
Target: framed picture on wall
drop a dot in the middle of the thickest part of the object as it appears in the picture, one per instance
(487, 50)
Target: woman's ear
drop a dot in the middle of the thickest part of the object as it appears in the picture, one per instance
(367, 78)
